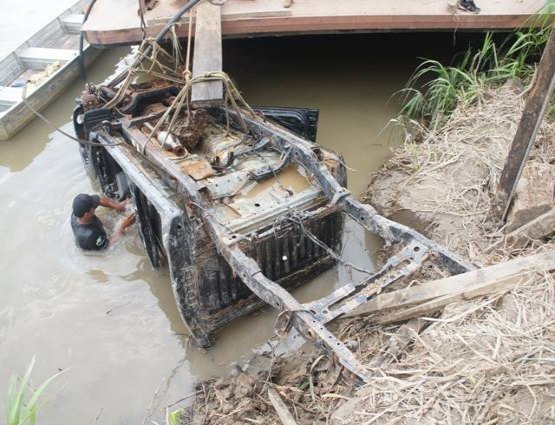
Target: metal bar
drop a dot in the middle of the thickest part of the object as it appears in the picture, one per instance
(173, 226)
(207, 56)
(304, 321)
(304, 154)
(311, 325)
(349, 297)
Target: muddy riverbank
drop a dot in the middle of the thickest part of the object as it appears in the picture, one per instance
(480, 361)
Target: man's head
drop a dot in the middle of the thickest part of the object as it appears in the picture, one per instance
(84, 204)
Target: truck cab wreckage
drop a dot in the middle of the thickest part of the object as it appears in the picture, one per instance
(242, 205)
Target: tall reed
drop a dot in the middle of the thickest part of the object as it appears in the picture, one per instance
(22, 403)
(435, 89)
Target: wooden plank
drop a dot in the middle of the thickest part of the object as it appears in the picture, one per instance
(284, 415)
(467, 285)
(540, 227)
(117, 22)
(438, 303)
(229, 16)
(207, 56)
(534, 110)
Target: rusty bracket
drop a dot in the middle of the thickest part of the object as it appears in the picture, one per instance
(348, 297)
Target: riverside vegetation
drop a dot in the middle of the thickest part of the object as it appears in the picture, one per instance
(23, 404)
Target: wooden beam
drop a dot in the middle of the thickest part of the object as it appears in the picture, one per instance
(439, 293)
(117, 22)
(284, 414)
(207, 56)
(540, 227)
(534, 110)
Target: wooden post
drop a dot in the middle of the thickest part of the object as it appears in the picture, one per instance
(207, 55)
(531, 119)
(285, 416)
(430, 296)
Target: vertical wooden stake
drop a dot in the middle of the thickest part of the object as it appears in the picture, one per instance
(207, 55)
(534, 110)
(284, 415)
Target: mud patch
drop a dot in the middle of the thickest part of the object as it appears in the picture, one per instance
(442, 181)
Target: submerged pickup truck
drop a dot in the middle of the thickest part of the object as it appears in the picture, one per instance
(208, 169)
(241, 204)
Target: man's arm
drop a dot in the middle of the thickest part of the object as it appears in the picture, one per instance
(127, 221)
(109, 203)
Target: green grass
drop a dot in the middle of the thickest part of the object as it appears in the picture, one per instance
(435, 89)
(23, 400)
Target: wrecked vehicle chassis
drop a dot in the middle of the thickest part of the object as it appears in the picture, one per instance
(173, 215)
(209, 293)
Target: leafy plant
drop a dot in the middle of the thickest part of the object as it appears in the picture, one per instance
(434, 90)
(174, 418)
(23, 400)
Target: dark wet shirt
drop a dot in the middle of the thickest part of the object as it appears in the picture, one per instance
(91, 236)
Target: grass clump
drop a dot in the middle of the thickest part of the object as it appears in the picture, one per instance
(435, 89)
(23, 400)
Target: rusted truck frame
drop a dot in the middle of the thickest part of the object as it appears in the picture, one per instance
(132, 165)
(148, 174)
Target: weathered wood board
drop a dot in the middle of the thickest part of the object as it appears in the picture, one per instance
(432, 295)
(536, 105)
(118, 22)
(207, 56)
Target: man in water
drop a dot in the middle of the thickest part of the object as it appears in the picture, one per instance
(88, 229)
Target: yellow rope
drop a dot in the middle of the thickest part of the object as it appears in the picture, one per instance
(233, 100)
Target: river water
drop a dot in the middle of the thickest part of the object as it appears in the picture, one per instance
(109, 321)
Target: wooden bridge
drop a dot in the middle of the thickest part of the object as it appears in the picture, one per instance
(118, 22)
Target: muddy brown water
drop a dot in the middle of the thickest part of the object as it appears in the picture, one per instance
(109, 321)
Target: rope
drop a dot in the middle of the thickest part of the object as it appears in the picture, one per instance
(142, 8)
(187, 73)
(233, 96)
(148, 50)
(160, 37)
(58, 129)
(176, 45)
